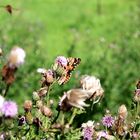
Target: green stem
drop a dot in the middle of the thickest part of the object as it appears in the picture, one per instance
(6, 90)
(73, 116)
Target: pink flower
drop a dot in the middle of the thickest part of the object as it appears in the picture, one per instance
(108, 121)
(61, 60)
(9, 109)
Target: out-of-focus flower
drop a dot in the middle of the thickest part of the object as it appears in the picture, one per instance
(108, 121)
(28, 105)
(93, 86)
(1, 103)
(46, 111)
(88, 130)
(9, 109)
(35, 96)
(42, 91)
(101, 134)
(41, 70)
(137, 95)
(61, 60)
(105, 135)
(16, 57)
(0, 51)
(122, 111)
(74, 98)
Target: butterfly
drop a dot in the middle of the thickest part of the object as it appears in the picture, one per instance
(72, 63)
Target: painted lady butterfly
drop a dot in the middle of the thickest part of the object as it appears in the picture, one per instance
(72, 63)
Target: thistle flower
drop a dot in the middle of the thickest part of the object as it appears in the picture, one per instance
(88, 130)
(122, 111)
(92, 85)
(108, 121)
(16, 57)
(9, 109)
(61, 60)
(74, 98)
(101, 134)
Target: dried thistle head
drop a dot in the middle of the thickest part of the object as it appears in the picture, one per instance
(74, 98)
(122, 112)
(93, 86)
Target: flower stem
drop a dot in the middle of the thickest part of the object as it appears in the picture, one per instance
(6, 90)
(73, 116)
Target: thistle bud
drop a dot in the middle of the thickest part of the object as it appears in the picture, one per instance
(35, 96)
(39, 103)
(46, 111)
(28, 105)
(42, 91)
(122, 111)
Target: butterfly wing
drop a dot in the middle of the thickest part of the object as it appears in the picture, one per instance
(71, 65)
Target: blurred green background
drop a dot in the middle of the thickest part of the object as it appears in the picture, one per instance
(105, 34)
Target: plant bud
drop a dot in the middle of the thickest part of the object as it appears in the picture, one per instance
(46, 111)
(122, 111)
(39, 104)
(28, 105)
(42, 91)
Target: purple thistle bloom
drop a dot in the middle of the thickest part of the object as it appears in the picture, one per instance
(9, 109)
(108, 121)
(88, 133)
(61, 60)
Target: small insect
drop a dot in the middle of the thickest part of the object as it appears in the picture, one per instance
(72, 63)
(9, 8)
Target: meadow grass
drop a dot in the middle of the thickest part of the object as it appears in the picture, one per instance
(104, 35)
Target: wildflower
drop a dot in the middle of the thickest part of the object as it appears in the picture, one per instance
(0, 51)
(1, 103)
(88, 130)
(74, 98)
(16, 57)
(9, 109)
(101, 134)
(108, 121)
(28, 105)
(61, 60)
(122, 111)
(93, 86)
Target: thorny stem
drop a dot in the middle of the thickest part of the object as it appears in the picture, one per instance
(73, 116)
